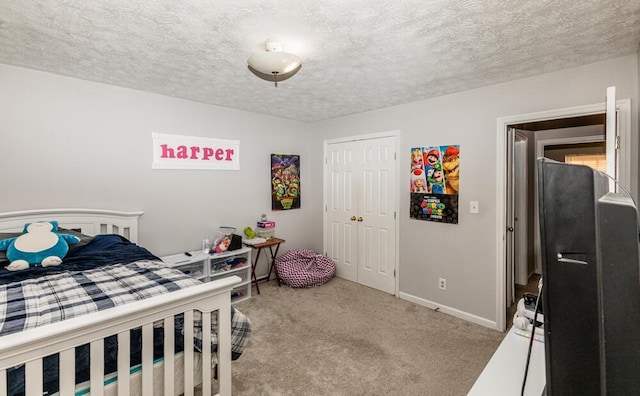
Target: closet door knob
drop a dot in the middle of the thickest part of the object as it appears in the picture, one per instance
(359, 218)
(353, 218)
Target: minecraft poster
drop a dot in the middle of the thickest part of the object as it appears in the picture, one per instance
(285, 181)
(434, 183)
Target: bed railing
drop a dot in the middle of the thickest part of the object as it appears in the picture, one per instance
(87, 221)
(31, 346)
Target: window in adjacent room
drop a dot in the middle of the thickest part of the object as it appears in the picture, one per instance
(595, 161)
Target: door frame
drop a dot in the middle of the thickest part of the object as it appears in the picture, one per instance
(396, 135)
(624, 157)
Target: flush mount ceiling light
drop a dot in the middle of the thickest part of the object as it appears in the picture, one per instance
(274, 64)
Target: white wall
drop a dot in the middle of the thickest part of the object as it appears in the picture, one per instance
(465, 254)
(72, 143)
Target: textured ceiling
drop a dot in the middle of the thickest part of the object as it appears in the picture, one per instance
(357, 55)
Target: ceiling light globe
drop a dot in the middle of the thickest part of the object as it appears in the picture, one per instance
(274, 62)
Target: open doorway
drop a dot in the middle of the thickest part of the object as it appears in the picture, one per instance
(574, 139)
(566, 140)
(541, 128)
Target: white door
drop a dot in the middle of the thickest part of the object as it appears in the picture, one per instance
(510, 224)
(516, 228)
(611, 129)
(361, 209)
(341, 209)
(521, 267)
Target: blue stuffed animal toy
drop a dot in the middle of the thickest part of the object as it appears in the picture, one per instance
(40, 244)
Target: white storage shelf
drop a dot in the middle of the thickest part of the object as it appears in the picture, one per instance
(208, 267)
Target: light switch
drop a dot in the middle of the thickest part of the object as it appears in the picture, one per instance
(473, 207)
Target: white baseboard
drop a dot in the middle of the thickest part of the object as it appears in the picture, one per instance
(448, 310)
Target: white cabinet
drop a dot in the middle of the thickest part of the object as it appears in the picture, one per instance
(504, 373)
(208, 267)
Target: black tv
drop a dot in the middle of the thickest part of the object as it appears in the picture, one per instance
(591, 283)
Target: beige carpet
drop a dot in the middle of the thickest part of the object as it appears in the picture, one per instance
(345, 339)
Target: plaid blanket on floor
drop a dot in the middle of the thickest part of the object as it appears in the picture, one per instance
(55, 297)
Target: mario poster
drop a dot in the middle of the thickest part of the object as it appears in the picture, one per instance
(434, 183)
(285, 181)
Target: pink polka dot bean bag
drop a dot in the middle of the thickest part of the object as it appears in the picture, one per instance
(304, 268)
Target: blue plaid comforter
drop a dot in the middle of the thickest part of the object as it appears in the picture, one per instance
(64, 295)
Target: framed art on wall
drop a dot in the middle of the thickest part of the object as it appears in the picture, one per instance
(285, 181)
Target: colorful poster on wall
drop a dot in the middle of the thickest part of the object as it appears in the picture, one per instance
(285, 181)
(434, 183)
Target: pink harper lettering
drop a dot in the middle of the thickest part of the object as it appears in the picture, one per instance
(191, 152)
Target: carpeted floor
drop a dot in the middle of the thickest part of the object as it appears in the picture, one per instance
(345, 339)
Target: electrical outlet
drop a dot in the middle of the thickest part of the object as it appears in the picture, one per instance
(442, 284)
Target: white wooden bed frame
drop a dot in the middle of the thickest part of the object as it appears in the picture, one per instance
(31, 346)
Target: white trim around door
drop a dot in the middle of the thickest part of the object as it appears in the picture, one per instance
(624, 157)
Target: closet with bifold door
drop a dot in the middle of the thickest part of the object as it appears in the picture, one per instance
(360, 209)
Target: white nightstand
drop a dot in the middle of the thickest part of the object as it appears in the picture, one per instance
(209, 267)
